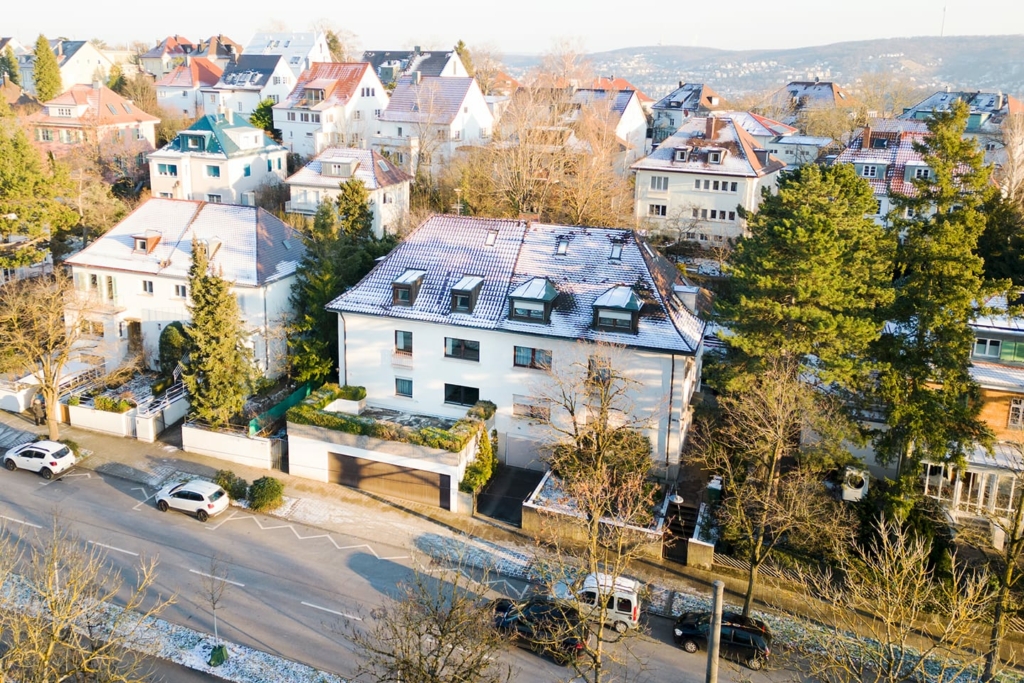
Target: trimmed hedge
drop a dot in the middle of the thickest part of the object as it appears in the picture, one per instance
(310, 412)
(237, 488)
(479, 472)
(266, 493)
(112, 405)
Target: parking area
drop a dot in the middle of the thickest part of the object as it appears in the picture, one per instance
(502, 498)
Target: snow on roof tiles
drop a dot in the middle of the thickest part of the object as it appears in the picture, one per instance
(692, 97)
(373, 169)
(898, 151)
(741, 158)
(449, 248)
(337, 80)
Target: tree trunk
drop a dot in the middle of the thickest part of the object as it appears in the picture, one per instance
(751, 583)
(996, 635)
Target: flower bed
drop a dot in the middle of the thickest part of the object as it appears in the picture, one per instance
(311, 412)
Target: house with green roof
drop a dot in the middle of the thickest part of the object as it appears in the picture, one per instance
(221, 159)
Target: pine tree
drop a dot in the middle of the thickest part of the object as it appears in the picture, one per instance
(47, 71)
(467, 60)
(220, 368)
(263, 117)
(116, 80)
(807, 283)
(9, 66)
(354, 213)
(930, 400)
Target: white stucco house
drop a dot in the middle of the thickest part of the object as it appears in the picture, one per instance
(133, 281)
(469, 309)
(247, 81)
(180, 90)
(333, 104)
(623, 110)
(299, 50)
(428, 118)
(321, 178)
(80, 63)
(692, 184)
(221, 158)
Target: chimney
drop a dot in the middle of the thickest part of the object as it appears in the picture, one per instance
(680, 84)
(866, 140)
(96, 84)
(415, 77)
(416, 50)
(711, 128)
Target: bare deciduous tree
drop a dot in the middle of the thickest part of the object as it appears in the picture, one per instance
(887, 618)
(887, 93)
(1010, 174)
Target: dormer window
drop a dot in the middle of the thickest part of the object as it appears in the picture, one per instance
(715, 156)
(140, 244)
(465, 293)
(562, 246)
(681, 154)
(406, 286)
(617, 310)
(532, 301)
(146, 242)
(313, 96)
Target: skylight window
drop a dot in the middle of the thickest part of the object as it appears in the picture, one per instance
(127, 107)
(112, 110)
(562, 246)
(492, 237)
(616, 251)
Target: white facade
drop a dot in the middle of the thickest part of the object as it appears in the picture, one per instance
(300, 50)
(242, 97)
(81, 63)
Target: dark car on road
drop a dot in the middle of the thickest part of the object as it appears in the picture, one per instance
(545, 624)
(742, 638)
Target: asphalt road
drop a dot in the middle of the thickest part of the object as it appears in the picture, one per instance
(294, 590)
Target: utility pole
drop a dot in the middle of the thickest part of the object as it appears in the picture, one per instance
(715, 632)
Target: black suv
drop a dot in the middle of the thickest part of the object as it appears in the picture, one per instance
(547, 625)
(742, 638)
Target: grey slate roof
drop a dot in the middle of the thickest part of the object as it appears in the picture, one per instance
(448, 248)
(429, 63)
(435, 100)
(249, 72)
(619, 99)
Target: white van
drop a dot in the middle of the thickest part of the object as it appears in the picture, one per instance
(620, 595)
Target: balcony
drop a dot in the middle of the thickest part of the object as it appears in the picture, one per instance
(307, 208)
(401, 359)
(95, 302)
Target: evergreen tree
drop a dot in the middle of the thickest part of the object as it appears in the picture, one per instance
(9, 66)
(220, 369)
(47, 71)
(116, 80)
(1001, 246)
(807, 282)
(467, 59)
(30, 210)
(340, 250)
(263, 117)
(929, 399)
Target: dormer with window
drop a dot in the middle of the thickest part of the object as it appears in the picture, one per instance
(681, 154)
(465, 292)
(871, 169)
(532, 301)
(917, 171)
(406, 287)
(146, 242)
(716, 155)
(617, 310)
(192, 142)
(339, 169)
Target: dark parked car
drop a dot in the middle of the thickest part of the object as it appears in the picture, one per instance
(744, 639)
(546, 625)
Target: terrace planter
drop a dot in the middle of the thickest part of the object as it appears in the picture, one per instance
(343, 405)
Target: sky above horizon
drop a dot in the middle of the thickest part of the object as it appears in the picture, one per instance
(528, 26)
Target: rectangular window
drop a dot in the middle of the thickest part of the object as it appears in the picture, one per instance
(869, 171)
(170, 170)
(279, 163)
(733, 189)
(459, 395)
(530, 407)
(1016, 413)
(525, 357)
(599, 370)
(659, 183)
(714, 214)
(376, 113)
(696, 184)
(987, 348)
(212, 171)
(462, 348)
(111, 288)
(291, 116)
(304, 116)
(707, 184)
(403, 343)
(270, 165)
(357, 115)
(659, 210)
(732, 215)
(714, 186)
(403, 387)
(180, 291)
(615, 321)
(147, 286)
(462, 303)
(528, 310)
(703, 213)
(213, 198)
(695, 213)
(922, 173)
(247, 171)
(316, 118)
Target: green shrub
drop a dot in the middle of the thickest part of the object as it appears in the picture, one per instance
(237, 488)
(266, 493)
(112, 405)
(351, 393)
(479, 472)
(74, 400)
(161, 385)
(483, 410)
(174, 344)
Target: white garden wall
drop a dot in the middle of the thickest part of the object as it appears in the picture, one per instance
(232, 447)
(118, 424)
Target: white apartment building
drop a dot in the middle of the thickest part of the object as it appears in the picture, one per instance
(247, 81)
(299, 50)
(221, 159)
(428, 118)
(692, 184)
(470, 309)
(133, 281)
(332, 104)
(321, 178)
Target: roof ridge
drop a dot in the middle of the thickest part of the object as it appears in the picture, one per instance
(200, 205)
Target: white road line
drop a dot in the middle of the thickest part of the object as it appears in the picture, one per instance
(21, 521)
(324, 609)
(62, 476)
(110, 547)
(144, 500)
(219, 578)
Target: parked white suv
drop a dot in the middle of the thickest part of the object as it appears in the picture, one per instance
(204, 499)
(45, 457)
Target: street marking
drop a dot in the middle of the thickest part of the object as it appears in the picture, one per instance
(21, 521)
(110, 547)
(340, 614)
(218, 578)
(144, 500)
(62, 476)
(270, 527)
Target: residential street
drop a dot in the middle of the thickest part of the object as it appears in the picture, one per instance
(295, 588)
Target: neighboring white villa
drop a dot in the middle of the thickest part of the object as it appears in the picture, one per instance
(133, 280)
(428, 118)
(333, 104)
(390, 65)
(624, 112)
(322, 177)
(180, 89)
(221, 158)
(299, 50)
(693, 182)
(248, 81)
(468, 309)
(80, 62)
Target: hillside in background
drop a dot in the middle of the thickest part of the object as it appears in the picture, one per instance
(993, 63)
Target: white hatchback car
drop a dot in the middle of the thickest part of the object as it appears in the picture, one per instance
(204, 499)
(45, 457)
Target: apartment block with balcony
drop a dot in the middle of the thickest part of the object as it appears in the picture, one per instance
(321, 179)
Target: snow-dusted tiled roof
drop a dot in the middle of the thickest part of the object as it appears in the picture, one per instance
(617, 100)
(757, 125)
(218, 130)
(741, 158)
(693, 98)
(988, 109)
(998, 376)
(374, 170)
(249, 72)
(890, 144)
(434, 100)
(198, 72)
(448, 248)
(428, 63)
(1004, 456)
(255, 249)
(337, 80)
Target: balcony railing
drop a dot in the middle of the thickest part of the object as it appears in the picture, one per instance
(401, 359)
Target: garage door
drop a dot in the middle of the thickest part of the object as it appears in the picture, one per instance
(418, 486)
(525, 453)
